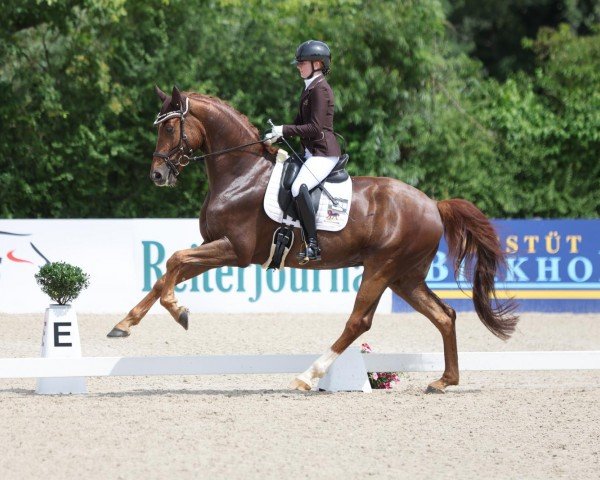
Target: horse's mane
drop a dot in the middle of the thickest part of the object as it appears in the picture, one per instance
(270, 151)
(230, 108)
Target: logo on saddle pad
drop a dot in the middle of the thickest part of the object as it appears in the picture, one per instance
(329, 217)
(334, 212)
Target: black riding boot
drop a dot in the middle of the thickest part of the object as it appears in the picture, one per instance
(307, 217)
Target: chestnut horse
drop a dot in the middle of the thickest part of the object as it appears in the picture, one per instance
(393, 231)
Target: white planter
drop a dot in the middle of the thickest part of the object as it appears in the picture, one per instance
(61, 340)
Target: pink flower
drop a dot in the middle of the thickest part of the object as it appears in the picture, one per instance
(380, 380)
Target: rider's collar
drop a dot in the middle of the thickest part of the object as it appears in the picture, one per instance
(308, 81)
(160, 118)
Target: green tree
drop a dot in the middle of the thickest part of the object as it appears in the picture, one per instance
(77, 101)
(493, 31)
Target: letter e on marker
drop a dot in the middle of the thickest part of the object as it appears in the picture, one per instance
(58, 333)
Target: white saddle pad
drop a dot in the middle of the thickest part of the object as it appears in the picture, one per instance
(330, 217)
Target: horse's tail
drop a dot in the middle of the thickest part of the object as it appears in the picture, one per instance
(470, 235)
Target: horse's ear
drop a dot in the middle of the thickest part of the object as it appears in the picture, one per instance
(162, 95)
(176, 100)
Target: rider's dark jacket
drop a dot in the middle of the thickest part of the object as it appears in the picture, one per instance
(314, 122)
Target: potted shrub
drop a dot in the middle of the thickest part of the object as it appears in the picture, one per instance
(62, 283)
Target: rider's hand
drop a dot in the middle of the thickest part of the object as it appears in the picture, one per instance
(275, 134)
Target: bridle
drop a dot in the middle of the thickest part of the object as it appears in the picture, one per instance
(183, 151)
(183, 157)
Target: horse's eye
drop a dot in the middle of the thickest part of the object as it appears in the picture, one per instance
(170, 128)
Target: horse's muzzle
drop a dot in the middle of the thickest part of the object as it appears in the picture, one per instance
(156, 176)
(161, 176)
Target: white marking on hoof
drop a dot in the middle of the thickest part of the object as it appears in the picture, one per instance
(317, 370)
(299, 384)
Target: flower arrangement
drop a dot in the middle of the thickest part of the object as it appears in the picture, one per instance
(381, 380)
(62, 282)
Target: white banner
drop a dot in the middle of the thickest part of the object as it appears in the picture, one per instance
(125, 257)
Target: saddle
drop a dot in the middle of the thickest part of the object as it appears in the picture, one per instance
(291, 168)
(283, 237)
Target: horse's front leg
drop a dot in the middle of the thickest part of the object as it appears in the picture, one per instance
(371, 288)
(183, 265)
(186, 264)
(135, 315)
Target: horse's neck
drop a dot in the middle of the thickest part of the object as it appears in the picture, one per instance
(224, 129)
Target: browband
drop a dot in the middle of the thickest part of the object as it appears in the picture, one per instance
(176, 113)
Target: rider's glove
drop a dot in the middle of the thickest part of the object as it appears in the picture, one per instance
(275, 134)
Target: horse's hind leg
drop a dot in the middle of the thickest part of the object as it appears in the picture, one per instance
(367, 298)
(422, 299)
(182, 265)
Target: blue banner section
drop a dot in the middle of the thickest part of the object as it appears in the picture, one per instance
(553, 266)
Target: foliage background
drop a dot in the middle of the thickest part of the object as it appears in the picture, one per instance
(494, 101)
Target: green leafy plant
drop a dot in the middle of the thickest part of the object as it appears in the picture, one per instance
(62, 282)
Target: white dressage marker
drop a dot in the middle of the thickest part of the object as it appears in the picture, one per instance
(61, 340)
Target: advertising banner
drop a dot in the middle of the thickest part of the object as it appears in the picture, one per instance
(125, 257)
(553, 265)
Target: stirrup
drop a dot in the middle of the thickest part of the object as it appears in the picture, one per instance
(311, 252)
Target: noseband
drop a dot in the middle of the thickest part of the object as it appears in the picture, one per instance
(182, 156)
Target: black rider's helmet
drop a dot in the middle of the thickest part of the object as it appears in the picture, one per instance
(314, 50)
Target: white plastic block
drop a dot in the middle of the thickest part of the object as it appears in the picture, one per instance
(347, 374)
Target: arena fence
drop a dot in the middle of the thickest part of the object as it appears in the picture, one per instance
(273, 364)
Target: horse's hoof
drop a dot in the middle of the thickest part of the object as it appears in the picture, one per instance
(183, 318)
(301, 385)
(434, 389)
(117, 333)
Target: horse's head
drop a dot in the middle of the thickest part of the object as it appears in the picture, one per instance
(175, 142)
(189, 121)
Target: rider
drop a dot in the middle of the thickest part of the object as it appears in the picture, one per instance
(314, 125)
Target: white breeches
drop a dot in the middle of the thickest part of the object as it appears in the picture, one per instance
(314, 170)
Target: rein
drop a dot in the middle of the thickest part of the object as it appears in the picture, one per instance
(202, 157)
(184, 158)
